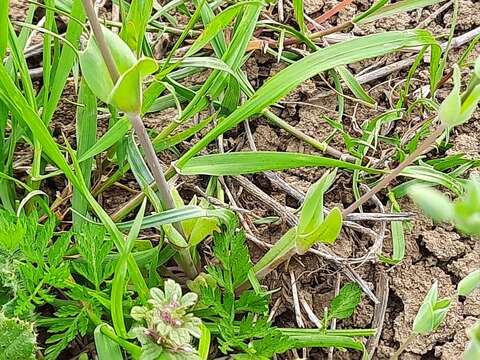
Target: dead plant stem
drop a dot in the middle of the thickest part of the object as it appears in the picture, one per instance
(423, 147)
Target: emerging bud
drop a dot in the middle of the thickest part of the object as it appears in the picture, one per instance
(126, 93)
(454, 110)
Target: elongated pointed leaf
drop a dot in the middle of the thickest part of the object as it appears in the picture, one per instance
(381, 10)
(120, 278)
(111, 137)
(324, 59)
(311, 215)
(217, 24)
(136, 22)
(247, 162)
(327, 232)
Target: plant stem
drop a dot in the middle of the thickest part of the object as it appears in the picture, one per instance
(403, 346)
(423, 147)
(137, 123)
(152, 160)
(101, 42)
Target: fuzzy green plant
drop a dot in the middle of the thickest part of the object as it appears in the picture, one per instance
(166, 325)
(17, 339)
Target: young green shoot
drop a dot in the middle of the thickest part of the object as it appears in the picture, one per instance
(429, 317)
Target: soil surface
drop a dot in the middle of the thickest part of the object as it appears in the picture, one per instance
(435, 252)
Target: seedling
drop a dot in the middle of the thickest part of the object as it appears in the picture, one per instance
(455, 110)
(312, 227)
(429, 317)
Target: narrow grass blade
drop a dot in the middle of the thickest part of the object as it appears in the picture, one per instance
(355, 87)
(111, 137)
(3, 27)
(177, 215)
(324, 59)
(216, 25)
(86, 130)
(120, 278)
(380, 10)
(299, 17)
(247, 162)
(233, 57)
(66, 60)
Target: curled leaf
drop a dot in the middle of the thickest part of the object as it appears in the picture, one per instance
(126, 93)
(454, 110)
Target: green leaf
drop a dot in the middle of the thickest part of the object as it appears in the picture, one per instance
(472, 351)
(17, 339)
(3, 27)
(324, 59)
(276, 255)
(311, 215)
(94, 247)
(106, 348)
(355, 87)
(127, 93)
(376, 6)
(86, 131)
(380, 10)
(204, 343)
(120, 278)
(247, 162)
(432, 202)
(134, 26)
(299, 17)
(217, 24)
(203, 227)
(95, 69)
(345, 303)
(111, 137)
(327, 232)
(431, 312)
(177, 215)
(66, 60)
(469, 283)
